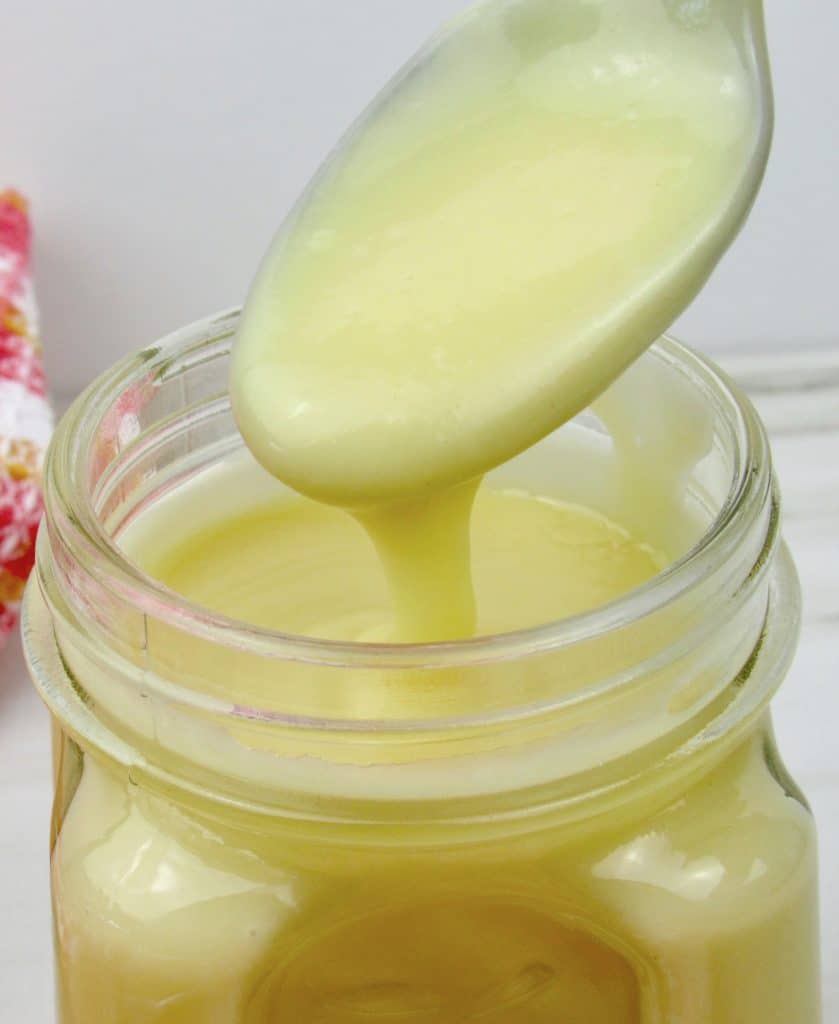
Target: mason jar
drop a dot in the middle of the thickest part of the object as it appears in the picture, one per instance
(581, 822)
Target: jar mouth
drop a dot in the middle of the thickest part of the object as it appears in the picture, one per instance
(77, 528)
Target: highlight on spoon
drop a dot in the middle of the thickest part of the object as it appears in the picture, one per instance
(532, 201)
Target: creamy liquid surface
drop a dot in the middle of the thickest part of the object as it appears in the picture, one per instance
(504, 232)
(300, 567)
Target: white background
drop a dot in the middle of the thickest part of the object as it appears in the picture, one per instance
(162, 142)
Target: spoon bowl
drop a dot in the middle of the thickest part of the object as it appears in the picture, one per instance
(526, 208)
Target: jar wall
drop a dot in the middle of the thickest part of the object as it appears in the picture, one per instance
(703, 910)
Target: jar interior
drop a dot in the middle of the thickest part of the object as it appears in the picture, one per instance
(645, 673)
(157, 431)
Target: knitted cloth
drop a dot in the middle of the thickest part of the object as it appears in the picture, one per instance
(25, 416)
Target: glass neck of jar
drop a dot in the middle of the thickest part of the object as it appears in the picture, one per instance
(566, 716)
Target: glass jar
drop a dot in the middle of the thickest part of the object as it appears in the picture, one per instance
(597, 830)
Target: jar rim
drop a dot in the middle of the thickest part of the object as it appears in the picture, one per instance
(73, 521)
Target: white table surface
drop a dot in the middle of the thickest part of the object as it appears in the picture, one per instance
(800, 401)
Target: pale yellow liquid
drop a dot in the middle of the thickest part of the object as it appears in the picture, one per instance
(304, 568)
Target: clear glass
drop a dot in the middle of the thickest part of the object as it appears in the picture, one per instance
(604, 833)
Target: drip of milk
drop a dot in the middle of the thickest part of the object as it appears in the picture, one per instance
(530, 204)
